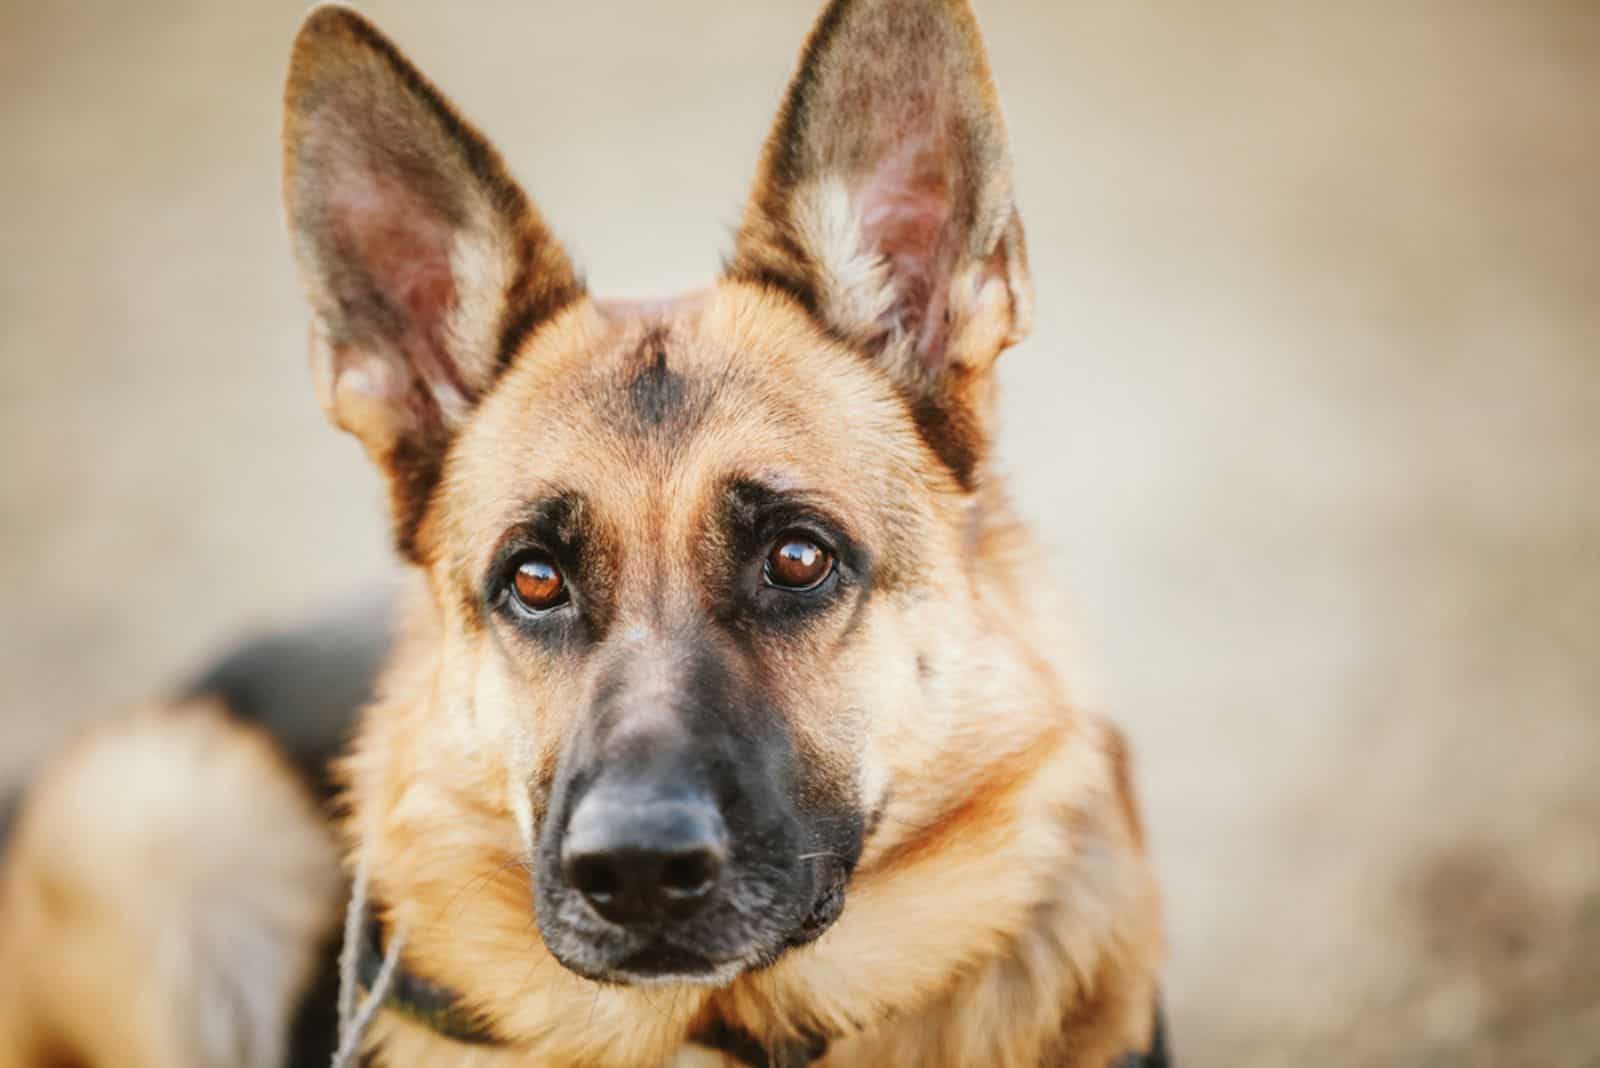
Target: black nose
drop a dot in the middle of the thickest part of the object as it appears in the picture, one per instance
(640, 861)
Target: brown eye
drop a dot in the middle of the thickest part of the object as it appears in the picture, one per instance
(798, 563)
(537, 584)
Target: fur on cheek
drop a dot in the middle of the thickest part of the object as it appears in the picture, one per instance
(510, 736)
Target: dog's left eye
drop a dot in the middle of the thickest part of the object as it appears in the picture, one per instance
(797, 562)
(537, 585)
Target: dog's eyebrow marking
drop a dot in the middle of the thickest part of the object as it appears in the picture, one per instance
(752, 510)
(564, 524)
(558, 524)
(748, 498)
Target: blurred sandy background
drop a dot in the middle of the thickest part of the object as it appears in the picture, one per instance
(1311, 424)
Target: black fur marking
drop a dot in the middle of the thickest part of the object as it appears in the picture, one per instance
(793, 281)
(657, 394)
(414, 467)
(952, 434)
(561, 526)
(791, 272)
(435, 1006)
(305, 687)
(754, 512)
(528, 305)
(747, 1049)
(314, 1032)
(796, 114)
(752, 516)
(1158, 1055)
(653, 400)
(10, 807)
(481, 160)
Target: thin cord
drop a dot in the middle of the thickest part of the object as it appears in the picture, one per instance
(350, 1043)
(353, 1022)
(355, 917)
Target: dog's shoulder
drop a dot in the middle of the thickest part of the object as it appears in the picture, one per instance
(305, 685)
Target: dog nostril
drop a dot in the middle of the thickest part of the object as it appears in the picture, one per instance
(644, 863)
(690, 875)
(595, 878)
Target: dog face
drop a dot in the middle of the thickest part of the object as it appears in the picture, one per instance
(699, 572)
(693, 570)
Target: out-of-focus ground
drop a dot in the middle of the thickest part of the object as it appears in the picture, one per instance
(1311, 424)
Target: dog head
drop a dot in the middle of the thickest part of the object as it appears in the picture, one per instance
(697, 573)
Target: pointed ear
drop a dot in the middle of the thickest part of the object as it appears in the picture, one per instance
(425, 264)
(883, 199)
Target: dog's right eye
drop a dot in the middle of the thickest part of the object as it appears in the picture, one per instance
(798, 563)
(537, 585)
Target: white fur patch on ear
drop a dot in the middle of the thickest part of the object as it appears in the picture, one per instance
(886, 177)
(855, 286)
(483, 263)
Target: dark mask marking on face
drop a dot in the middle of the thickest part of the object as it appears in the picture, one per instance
(561, 527)
(752, 516)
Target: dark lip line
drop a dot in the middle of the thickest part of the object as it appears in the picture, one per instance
(687, 954)
(621, 975)
(808, 930)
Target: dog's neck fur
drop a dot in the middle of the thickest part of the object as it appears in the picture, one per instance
(996, 968)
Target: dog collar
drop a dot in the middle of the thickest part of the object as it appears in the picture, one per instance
(434, 1006)
(440, 1009)
(747, 1049)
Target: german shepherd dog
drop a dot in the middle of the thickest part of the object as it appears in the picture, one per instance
(722, 723)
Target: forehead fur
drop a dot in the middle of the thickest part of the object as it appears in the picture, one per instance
(647, 411)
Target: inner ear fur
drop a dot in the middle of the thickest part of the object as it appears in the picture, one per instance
(425, 264)
(883, 200)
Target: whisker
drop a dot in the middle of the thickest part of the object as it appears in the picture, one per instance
(476, 883)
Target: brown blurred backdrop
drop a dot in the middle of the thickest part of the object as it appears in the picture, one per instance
(1311, 424)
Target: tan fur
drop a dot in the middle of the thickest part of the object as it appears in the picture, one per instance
(1004, 912)
(1007, 884)
(163, 900)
